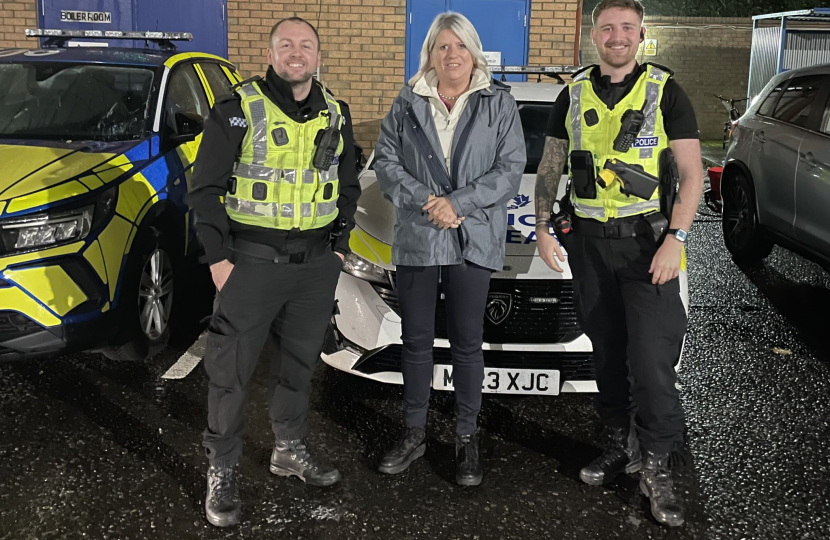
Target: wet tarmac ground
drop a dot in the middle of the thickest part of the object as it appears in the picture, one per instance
(90, 448)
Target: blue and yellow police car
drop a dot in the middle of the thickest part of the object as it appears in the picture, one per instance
(96, 151)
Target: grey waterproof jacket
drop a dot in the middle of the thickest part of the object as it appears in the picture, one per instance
(488, 159)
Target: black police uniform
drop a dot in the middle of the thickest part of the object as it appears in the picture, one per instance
(290, 300)
(636, 327)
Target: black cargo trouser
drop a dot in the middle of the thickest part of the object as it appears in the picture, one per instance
(293, 304)
(637, 331)
(465, 288)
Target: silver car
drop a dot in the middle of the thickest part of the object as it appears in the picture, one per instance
(776, 179)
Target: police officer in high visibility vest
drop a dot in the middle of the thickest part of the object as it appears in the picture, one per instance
(274, 194)
(616, 127)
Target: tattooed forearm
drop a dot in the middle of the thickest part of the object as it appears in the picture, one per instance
(548, 176)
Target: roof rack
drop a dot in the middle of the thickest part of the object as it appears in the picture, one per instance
(58, 38)
(554, 72)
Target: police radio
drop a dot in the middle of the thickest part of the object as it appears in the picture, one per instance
(326, 141)
(632, 123)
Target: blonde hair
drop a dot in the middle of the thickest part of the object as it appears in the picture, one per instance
(465, 31)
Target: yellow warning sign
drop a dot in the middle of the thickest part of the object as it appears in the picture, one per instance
(650, 47)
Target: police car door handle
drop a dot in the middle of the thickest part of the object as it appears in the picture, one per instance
(761, 137)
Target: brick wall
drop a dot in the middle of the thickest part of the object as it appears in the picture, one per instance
(15, 17)
(708, 56)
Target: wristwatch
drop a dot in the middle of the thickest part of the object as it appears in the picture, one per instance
(679, 234)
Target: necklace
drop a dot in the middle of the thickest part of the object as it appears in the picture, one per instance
(447, 97)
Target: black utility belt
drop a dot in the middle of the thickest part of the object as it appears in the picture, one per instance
(262, 251)
(653, 224)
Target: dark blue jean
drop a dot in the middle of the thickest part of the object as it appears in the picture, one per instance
(465, 288)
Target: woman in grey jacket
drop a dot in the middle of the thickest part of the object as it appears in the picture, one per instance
(450, 155)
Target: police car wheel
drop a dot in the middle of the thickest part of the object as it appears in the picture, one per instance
(146, 300)
(742, 233)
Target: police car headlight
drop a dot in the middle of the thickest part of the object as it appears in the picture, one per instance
(361, 268)
(43, 230)
(55, 227)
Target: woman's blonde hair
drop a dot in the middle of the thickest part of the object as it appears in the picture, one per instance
(465, 31)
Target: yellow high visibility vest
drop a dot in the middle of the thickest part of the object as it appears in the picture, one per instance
(274, 184)
(599, 140)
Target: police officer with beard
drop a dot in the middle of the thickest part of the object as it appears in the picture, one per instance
(274, 194)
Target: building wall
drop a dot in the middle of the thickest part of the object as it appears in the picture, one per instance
(708, 56)
(15, 17)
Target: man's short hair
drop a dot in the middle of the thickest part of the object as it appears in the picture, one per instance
(292, 19)
(633, 5)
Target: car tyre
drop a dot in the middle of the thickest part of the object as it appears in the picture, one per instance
(742, 233)
(145, 299)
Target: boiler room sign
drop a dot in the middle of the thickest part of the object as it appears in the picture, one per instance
(101, 17)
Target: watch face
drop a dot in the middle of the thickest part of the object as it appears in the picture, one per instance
(680, 234)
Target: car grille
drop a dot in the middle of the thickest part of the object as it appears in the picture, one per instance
(538, 311)
(574, 366)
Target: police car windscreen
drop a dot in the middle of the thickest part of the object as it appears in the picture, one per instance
(42, 100)
(534, 117)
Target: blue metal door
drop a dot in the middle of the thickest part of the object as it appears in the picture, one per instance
(207, 20)
(501, 25)
(88, 15)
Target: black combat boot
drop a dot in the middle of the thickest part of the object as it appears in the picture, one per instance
(656, 483)
(292, 458)
(222, 504)
(468, 470)
(411, 445)
(621, 453)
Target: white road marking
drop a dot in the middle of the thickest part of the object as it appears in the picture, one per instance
(189, 360)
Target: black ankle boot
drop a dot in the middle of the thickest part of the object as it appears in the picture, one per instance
(411, 445)
(621, 454)
(222, 504)
(468, 470)
(656, 483)
(292, 458)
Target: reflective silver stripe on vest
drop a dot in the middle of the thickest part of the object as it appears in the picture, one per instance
(289, 176)
(287, 210)
(637, 208)
(650, 111)
(251, 208)
(597, 212)
(326, 208)
(576, 116)
(308, 176)
(259, 121)
(257, 172)
(305, 209)
(333, 114)
(330, 175)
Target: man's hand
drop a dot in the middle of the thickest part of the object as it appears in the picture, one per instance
(548, 247)
(442, 213)
(220, 272)
(666, 263)
(342, 257)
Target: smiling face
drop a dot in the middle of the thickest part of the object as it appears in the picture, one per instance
(294, 52)
(616, 35)
(451, 59)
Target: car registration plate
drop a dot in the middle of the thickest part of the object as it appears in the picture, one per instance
(505, 381)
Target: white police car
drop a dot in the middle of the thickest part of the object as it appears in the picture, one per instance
(532, 340)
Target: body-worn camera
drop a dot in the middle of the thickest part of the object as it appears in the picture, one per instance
(326, 141)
